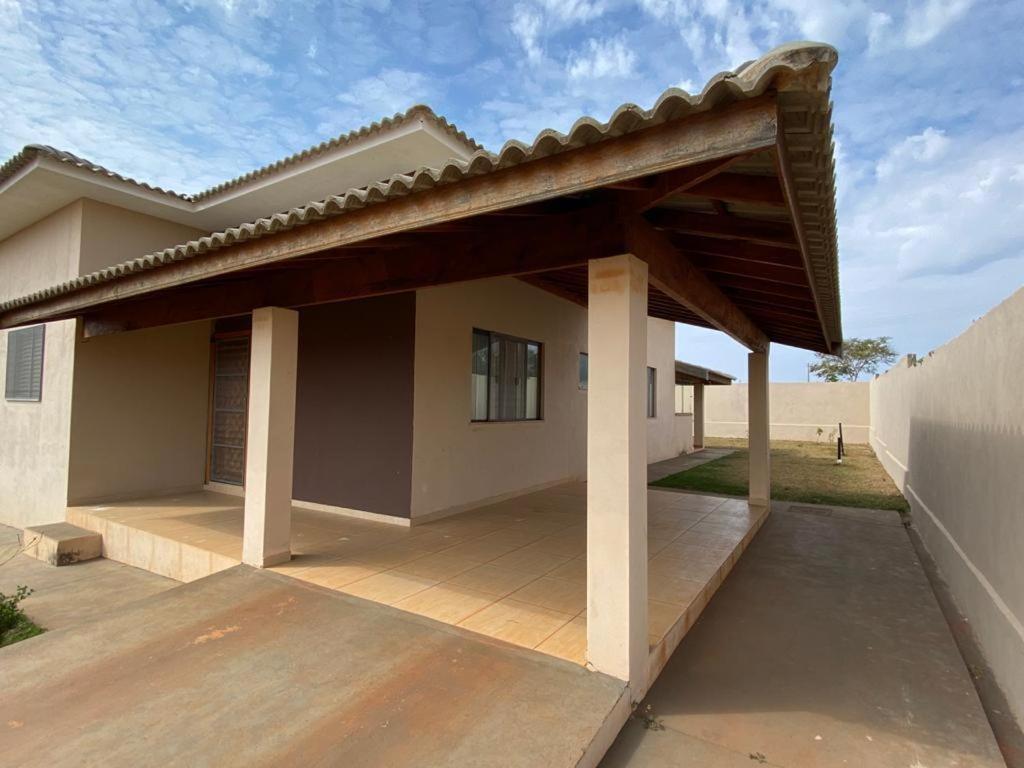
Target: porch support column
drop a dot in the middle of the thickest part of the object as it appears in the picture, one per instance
(617, 470)
(698, 416)
(757, 427)
(270, 441)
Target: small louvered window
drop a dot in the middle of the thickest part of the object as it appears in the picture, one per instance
(25, 364)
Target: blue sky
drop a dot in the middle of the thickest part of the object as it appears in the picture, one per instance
(929, 110)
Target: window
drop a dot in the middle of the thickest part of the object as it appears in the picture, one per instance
(505, 378)
(25, 364)
(584, 370)
(652, 392)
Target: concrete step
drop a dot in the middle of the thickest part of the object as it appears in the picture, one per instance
(62, 543)
(151, 551)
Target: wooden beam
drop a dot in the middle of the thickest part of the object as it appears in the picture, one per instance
(790, 195)
(740, 188)
(738, 249)
(742, 127)
(676, 182)
(560, 242)
(726, 265)
(677, 277)
(769, 233)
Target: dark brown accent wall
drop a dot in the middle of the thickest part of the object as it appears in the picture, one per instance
(354, 404)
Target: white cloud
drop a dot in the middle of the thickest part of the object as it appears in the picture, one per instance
(526, 25)
(925, 147)
(921, 23)
(602, 59)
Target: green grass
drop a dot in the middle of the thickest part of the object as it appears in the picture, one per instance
(23, 630)
(804, 472)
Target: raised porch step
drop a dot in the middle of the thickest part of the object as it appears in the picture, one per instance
(150, 551)
(61, 543)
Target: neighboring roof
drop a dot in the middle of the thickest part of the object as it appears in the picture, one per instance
(787, 66)
(420, 111)
(688, 373)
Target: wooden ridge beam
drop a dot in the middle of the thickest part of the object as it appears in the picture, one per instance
(677, 277)
(740, 188)
(741, 127)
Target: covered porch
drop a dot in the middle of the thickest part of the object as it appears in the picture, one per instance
(715, 210)
(515, 571)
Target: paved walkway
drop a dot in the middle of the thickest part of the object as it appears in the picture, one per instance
(72, 594)
(825, 647)
(684, 461)
(250, 668)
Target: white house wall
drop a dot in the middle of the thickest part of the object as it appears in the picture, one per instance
(458, 463)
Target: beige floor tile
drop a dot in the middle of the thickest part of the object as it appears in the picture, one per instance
(446, 603)
(388, 587)
(569, 642)
(559, 595)
(492, 580)
(484, 549)
(537, 562)
(661, 617)
(391, 555)
(668, 587)
(439, 566)
(574, 570)
(708, 540)
(335, 574)
(515, 622)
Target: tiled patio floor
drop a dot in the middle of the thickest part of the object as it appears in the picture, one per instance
(515, 570)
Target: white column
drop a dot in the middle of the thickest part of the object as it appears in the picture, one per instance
(270, 441)
(617, 470)
(698, 415)
(757, 427)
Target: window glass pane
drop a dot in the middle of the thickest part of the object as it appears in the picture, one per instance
(506, 378)
(532, 381)
(478, 388)
(25, 364)
(584, 370)
(652, 392)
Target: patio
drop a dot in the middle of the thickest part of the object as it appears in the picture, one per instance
(515, 571)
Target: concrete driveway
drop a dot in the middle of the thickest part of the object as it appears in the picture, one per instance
(252, 668)
(825, 647)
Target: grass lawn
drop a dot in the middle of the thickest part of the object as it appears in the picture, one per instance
(23, 630)
(804, 472)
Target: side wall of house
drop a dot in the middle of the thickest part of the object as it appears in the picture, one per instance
(34, 448)
(666, 436)
(139, 413)
(354, 404)
(458, 463)
(797, 411)
(950, 432)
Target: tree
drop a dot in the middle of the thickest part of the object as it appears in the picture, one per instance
(857, 356)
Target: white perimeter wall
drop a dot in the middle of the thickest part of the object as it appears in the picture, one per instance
(459, 464)
(797, 411)
(950, 432)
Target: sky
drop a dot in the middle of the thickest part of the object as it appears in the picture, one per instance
(929, 114)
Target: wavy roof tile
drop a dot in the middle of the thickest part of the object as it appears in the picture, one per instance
(419, 111)
(799, 66)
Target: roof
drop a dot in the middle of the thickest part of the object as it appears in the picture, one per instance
(795, 76)
(688, 373)
(420, 111)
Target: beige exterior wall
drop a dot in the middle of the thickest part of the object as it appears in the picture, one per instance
(664, 437)
(77, 239)
(34, 448)
(797, 411)
(950, 432)
(458, 463)
(139, 414)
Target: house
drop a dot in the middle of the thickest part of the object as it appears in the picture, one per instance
(473, 328)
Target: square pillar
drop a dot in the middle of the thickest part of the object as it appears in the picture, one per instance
(270, 442)
(698, 416)
(617, 470)
(758, 421)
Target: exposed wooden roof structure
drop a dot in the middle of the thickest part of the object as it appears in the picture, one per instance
(728, 196)
(688, 373)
